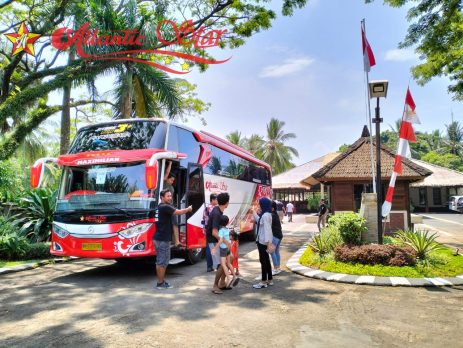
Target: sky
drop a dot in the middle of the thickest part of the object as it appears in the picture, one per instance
(307, 70)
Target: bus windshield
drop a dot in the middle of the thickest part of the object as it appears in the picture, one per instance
(107, 186)
(120, 136)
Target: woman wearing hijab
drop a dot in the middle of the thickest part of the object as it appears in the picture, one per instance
(264, 238)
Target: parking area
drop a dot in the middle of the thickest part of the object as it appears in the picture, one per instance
(448, 226)
(99, 303)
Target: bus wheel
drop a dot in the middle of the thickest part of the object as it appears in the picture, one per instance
(194, 255)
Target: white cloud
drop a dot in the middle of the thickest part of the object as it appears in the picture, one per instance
(398, 55)
(289, 66)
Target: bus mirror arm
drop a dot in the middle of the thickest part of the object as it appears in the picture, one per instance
(151, 174)
(38, 170)
(165, 155)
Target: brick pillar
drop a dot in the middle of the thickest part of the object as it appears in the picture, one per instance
(368, 210)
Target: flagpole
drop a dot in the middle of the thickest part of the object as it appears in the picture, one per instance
(369, 118)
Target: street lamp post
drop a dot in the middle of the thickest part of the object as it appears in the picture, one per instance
(377, 90)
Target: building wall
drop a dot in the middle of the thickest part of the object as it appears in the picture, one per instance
(433, 202)
(342, 200)
(342, 196)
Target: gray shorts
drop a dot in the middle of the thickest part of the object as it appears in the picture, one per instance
(224, 252)
(162, 252)
(215, 257)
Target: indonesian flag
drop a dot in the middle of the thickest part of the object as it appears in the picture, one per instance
(406, 135)
(368, 57)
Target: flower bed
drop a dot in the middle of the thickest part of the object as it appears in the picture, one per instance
(441, 263)
(413, 254)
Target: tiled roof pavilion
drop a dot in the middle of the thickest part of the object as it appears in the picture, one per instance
(355, 164)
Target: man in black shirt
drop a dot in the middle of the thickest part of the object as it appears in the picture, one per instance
(212, 237)
(163, 235)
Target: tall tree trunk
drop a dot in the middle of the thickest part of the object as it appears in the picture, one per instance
(66, 113)
(127, 101)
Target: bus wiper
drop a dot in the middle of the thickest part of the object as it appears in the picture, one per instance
(123, 211)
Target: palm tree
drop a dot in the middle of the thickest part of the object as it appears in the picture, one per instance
(235, 138)
(254, 144)
(454, 139)
(139, 90)
(434, 140)
(275, 152)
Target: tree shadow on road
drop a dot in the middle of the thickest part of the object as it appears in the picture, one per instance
(124, 296)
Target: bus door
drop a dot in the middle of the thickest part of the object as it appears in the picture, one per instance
(194, 196)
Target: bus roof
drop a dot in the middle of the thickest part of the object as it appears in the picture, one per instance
(201, 136)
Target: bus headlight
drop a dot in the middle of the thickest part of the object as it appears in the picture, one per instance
(59, 231)
(135, 230)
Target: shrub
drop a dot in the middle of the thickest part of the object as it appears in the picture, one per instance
(326, 241)
(12, 245)
(420, 241)
(11, 180)
(351, 226)
(36, 216)
(38, 251)
(314, 201)
(374, 254)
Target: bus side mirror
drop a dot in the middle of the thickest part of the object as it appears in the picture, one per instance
(151, 175)
(38, 170)
(36, 174)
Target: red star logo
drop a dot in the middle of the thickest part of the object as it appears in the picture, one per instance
(23, 40)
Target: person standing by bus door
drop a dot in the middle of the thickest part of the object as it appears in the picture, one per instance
(206, 214)
(212, 237)
(290, 210)
(163, 235)
(169, 180)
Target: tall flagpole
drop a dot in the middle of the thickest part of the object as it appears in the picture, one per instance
(369, 115)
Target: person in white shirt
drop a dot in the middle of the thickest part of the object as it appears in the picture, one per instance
(290, 210)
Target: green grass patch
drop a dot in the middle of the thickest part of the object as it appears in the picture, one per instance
(16, 263)
(442, 263)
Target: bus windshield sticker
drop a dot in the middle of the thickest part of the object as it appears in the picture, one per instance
(100, 177)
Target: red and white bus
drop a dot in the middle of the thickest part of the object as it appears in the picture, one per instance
(114, 171)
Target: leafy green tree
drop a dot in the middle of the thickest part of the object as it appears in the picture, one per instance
(434, 140)
(254, 144)
(446, 160)
(343, 148)
(275, 151)
(435, 31)
(390, 139)
(27, 82)
(453, 140)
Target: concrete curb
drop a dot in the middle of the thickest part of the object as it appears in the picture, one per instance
(294, 265)
(28, 266)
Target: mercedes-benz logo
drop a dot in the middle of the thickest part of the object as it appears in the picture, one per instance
(91, 230)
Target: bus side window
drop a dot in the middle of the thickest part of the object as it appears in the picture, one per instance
(188, 145)
(172, 141)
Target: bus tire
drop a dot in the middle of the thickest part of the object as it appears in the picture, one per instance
(194, 255)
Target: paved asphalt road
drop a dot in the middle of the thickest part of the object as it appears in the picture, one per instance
(98, 303)
(449, 227)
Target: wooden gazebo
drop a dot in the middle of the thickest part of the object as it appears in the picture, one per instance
(349, 175)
